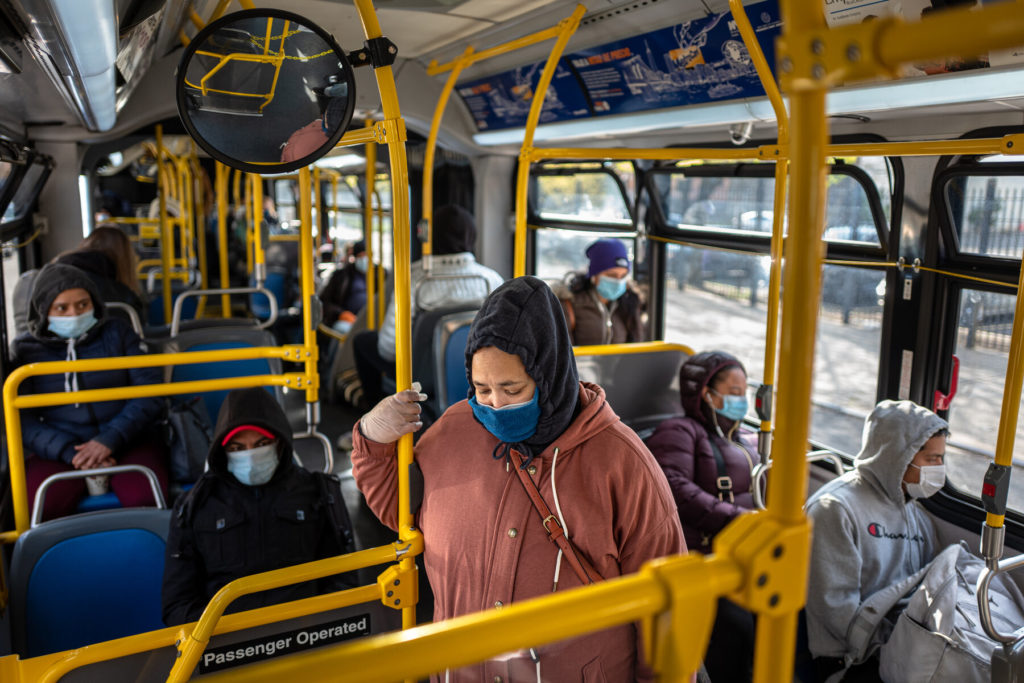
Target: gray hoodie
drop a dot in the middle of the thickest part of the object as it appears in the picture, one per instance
(867, 534)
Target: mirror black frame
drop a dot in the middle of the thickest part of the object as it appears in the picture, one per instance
(263, 169)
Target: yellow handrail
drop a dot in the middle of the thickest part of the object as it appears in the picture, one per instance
(199, 637)
(625, 349)
(566, 28)
(222, 235)
(166, 236)
(368, 194)
(394, 128)
(14, 403)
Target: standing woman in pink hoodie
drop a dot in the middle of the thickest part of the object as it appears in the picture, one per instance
(485, 545)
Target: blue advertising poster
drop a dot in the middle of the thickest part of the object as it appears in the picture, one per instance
(693, 62)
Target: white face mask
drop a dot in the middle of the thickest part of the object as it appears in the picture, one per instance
(932, 479)
(255, 466)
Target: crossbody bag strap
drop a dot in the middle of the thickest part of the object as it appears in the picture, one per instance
(723, 481)
(577, 560)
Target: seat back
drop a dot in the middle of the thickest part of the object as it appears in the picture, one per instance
(438, 358)
(155, 310)
(638, 386)
(86, 579)
(219, 338)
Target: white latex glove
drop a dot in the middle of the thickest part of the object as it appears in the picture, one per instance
(394, 416)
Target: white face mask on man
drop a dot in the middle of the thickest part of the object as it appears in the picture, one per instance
(930, 482)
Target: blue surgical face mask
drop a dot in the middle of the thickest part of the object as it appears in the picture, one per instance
(512, 423)
(71, 326)
(733, 407)
(611, 288)
(255, 466)
(362, 263)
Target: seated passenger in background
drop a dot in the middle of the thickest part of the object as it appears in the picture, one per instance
(869, 530)
(67, 321)
(528, 410)
(601, 307)
(708, 467)
(252, 511)
(108, 258)
(344, 295)
(453, 242)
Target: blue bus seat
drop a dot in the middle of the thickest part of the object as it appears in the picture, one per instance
(219, 338)
(276, 284)
(438, 358)
(155, 310)
(107, 501)
(640, 387)
(86, 579)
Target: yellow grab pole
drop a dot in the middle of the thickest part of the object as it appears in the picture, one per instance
(317, 218)
(222, 235)
(771, 88)
(775, 642)
(259, 257)
(382, 303)
(428, 157)
(394, 127)
(247, 205)
(368, 194)
(166, 236)
(434, 68)
(566, 28)
(308, 291)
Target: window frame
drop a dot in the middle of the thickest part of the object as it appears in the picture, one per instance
(568, 169)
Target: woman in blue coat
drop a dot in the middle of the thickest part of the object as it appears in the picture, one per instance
(67, 321)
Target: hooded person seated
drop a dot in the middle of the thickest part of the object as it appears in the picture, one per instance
(601, 307)
(530, 439)
(252, 511)
(67, 320)
(344, 295)
(870, 531)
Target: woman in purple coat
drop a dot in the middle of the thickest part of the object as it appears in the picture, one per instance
(708, 467)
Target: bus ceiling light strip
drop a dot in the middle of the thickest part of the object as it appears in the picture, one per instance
(83, 35)
(927, 91)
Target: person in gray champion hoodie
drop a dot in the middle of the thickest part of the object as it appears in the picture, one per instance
(868, 530)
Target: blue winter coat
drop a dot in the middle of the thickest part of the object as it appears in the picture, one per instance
(52, 432)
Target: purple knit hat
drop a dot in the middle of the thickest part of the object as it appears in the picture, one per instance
(605, 254)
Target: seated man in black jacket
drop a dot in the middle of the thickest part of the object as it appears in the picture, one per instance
(253, 510)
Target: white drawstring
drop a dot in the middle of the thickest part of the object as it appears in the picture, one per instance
(558, 559)
(71, 378)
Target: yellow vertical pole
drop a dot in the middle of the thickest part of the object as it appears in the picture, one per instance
(221, 180)
(309, 354)
(249, 221)
(771, 88)
(394, 129)
(166, 236)
(381, 294)
(566, 28)
(368, 193)
(259, 257)
(804, 250)
(317, 219)
(428, 157)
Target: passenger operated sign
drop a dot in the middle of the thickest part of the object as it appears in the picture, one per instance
(258, 649)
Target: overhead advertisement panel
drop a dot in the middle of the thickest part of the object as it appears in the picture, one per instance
(692, 62)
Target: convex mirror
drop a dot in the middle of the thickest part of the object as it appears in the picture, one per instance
(265, 91)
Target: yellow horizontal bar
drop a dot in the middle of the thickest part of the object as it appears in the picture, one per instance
(423, 650)
(285, 238)
(152, 360)
(132, 221)
(511, 46)
(300, 573)
(626, 349)
(360, 136)
(1008, 144)
(51, 668)
(8, 537)
(626, 154)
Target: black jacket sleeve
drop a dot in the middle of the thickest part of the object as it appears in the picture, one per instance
(182, 598)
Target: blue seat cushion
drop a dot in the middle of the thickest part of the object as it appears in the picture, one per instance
(94, 588)
(105, 502)
(455, 382)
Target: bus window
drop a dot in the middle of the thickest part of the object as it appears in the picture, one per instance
(286, 200)
(987, 213)
(703, 201)
(584, 195)
(562, 251)
(709, 303)
(28, 189)
(982, 345)
(846, 353)
(848, 216)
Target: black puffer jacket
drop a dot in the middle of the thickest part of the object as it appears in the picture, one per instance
(684, 447)
(223, 530)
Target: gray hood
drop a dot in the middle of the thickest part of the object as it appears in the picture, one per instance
(893, 433)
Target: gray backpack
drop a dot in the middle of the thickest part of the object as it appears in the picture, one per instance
(939, 636)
